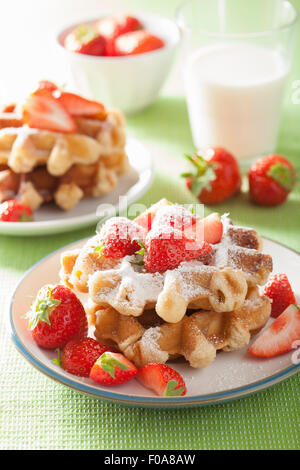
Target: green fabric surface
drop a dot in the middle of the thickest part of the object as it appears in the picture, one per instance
(38, 413)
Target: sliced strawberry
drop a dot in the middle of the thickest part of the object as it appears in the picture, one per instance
(78, 106)
(162, 379)
(137, 42)
(113, 369)
(166, 249)
(146, 218)
(279, 290)
(280, 336)
(121, 237)
(46, 85)
(174, 216)
(42, 111)
(85, 40)
(209, 228)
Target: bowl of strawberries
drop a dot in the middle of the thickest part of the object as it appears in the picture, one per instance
(121, 60)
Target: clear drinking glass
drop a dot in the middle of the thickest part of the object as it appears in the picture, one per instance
(237, 56)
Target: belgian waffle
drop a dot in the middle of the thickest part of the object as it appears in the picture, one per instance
(218, 282)
(197, 336)
(38, 165)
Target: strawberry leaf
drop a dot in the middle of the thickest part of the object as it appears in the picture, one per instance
(283, 175)
(109, 363)
(24, 217)
(204, 181)
(98, 249)
(172, 391)
(41, 309)
(57, 360)
(203, 175)
(85, 34)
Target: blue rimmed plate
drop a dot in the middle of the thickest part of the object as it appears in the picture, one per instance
(232, 375)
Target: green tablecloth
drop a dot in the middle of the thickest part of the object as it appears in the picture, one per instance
(37, 413)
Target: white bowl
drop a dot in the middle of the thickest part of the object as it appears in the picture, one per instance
(130, 83)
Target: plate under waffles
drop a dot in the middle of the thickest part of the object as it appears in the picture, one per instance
(203, 305)
(231, 375)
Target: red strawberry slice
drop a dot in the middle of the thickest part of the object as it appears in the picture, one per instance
(78, 106)
(42, 111)
(113, 369)
(174, 216)
(280, 291)
(166, 249)
(209, 228)
(120, 237)
(79, 356)
(162, 379)
(280, 336)
(146, 218)
(46, 85)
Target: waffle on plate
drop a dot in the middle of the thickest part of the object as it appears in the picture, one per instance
(40, 164)
(206, 303)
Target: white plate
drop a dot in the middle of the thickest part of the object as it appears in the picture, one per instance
(231, 375)
(50, 219)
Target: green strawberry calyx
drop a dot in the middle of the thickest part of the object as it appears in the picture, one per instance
(25, 217)
(109, 363)
(41, 308)
(85, 34)
(57, 360)
(98, 249)
(203, 175)
(140, 253)
(283, 175)
(172, 391)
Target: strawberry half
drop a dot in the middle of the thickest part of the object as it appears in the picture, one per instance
(209, 228)
(42, 111)
(112, 369)
(162, 379)
(146, 218)
(280, 291)
(174, 216)
(280, 336)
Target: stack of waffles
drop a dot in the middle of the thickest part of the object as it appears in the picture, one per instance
(38, 166)
(204, 305)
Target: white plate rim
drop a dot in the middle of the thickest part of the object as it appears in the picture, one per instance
(131, 400)
(44, 227)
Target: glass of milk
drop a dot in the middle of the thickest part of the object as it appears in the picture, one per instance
(237, 55)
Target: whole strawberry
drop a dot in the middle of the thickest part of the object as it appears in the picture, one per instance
(279, 290)
(216, 176)
(271, 179)
(56, 317)
(14, 211)
(79, 356)
(120, 237)
(113, 369)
